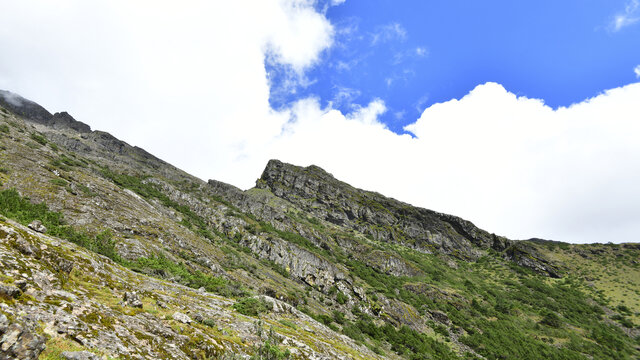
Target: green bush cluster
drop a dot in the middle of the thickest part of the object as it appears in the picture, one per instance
(161, 266)
(251, 306)
(39, 139)
(270, 348)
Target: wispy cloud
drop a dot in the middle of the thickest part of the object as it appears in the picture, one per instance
(628, 17)
(421, 51)
(386, 33)
(412, 53)
(637, 71)
(402, 76)
(344, 96)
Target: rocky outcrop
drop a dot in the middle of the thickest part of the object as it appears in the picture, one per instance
(300, 263)
(385, 219)
(527, 256)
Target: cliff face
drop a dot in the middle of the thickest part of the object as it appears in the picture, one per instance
(385, 219)
(107, 249)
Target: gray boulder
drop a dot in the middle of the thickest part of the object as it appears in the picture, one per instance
(36, 225)
(79, 355)
(132, 299)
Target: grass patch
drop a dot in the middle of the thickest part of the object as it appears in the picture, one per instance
(39, 139)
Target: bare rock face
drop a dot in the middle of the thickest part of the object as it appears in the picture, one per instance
(386, 219)
(383, 218)
(526, 256)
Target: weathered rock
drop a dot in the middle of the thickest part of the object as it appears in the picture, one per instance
(24, 247)
(36, 225)
(526, 256)
(21, 284)
(4, 323)
(386, 219)
(9, 291)
(79, 355)
(439, 316)
(183, 318)
(63, 265)
(132, 299)
(20, 343)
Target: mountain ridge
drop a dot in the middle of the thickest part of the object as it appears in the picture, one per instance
(332, 270)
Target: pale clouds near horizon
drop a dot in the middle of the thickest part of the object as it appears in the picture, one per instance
(189, 85)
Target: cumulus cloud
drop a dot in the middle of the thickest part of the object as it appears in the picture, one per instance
(628, 17)
(511, 164)
(190, 85)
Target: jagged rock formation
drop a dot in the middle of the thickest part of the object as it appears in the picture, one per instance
(133, 258)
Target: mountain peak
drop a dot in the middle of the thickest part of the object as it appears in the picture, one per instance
(38, 114)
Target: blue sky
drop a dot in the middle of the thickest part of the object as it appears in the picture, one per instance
(412, 54)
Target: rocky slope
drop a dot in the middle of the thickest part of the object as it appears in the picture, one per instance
(129, 257)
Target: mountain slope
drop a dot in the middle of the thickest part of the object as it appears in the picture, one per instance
(352, 274)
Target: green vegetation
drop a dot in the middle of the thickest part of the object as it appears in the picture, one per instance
(251, 306)
(59, 182)
(39, 139)
(162, 267)
(270, 348)
(4, 128)
(66, 163)
(14, 206)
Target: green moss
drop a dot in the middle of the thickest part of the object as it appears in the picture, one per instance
(59, 182)
(39, 139)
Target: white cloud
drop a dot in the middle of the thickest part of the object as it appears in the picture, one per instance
(389, 32)
(636, 70)
(155, 73)
(630, 16)
(189, 84)
(511, 164)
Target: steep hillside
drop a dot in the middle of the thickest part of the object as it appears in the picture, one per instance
(129, 257)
